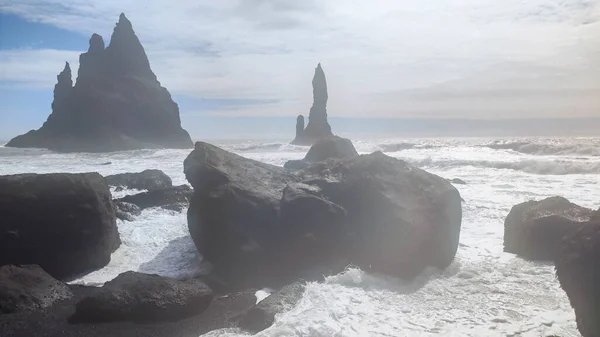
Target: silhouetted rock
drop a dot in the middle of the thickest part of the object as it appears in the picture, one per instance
(317, 127)
(254, 220)
(145, 180)
(126, 211)
(160, 197)
(326, 148)
(137, 297)
(117, 103)
(578, 270)
(29, 288)
(65, 223)
(262, 315)
(534, 230)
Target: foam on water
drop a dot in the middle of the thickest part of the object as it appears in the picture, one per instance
(486, 292)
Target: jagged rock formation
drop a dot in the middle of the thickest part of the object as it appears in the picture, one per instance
(578, 270)
(535, 230)
(116, 104)
(317, 127)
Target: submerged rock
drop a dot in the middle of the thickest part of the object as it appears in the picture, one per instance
(29, 288)
(138, 297)
(126, 211)
(251, 219)
(458, 181)
(262, 315)
(162, 197)
(116, 104)
(65, 223)
(318, 127)
(326, 148)
(145, 180)
(578, 270)
(535, 229)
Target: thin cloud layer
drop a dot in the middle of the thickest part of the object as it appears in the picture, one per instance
(382, 58)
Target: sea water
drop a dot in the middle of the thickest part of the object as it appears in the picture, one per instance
(485, 292)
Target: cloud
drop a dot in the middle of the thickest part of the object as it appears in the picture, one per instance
(383, 58)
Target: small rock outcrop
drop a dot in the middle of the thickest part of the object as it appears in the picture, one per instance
(534, 230)
(116, 104)
(317, 127)
(262, 315)
(126, 211)
(578, 270)
(29, 288)
(138, 297)
(326, 148)
(251, 219)
(162, 197)
(65, 223)
(145, 180)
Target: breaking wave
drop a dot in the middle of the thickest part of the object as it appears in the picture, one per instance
(543, 167)
(536, 148)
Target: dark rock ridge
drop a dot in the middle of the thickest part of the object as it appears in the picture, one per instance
(145, 180)
(65, 223)
(262, 223)
(333, 147)
(317, 127)
(117, 103)
(578, 270)
(29, 288)
(262, 315)
(163, 197)
(534, 230)
(138, 297)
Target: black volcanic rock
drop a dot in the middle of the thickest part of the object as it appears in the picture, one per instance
(65, 223)
(333, 147)
(578, 270)
(166, 197)
(138, 297)
(535, 230)
(117, 103)
(262, 224)
(317, 127)
(29, 288)
(145, 180)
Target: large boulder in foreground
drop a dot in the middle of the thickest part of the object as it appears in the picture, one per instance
(249, 218)
(578, 270)
(65, 223)
(137, 297)
(29, 288)
(116, 104)
(534, 230)
(333, 147)
(145, 180)
(262, 315)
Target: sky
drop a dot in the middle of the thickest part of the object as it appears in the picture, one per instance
(243, 66)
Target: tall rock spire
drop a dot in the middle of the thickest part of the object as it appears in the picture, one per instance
(116, 104)
(317, 127)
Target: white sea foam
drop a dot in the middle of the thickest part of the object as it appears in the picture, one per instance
(484, 293)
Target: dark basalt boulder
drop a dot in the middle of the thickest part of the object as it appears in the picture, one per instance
(137, 297)
(326, 148)
(163, 197)
(578, 270)
(145, 180)
(65, 223)
(534, 230)
(116, 104)
(126, 211)
(262, 315)
(29, 288)
(317, 127)
(251, 219)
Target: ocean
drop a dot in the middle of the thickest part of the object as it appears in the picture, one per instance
(485, 292)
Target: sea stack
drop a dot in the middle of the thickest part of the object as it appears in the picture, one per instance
(318, 127)
(116, 104)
